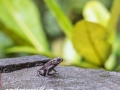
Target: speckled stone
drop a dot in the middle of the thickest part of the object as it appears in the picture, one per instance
(69, 78)
(13, 64)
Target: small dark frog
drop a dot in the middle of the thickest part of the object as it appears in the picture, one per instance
(49, 66)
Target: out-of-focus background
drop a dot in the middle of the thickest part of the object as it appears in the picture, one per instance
(85, 33)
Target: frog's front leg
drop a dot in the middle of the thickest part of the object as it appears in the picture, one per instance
(55, 71)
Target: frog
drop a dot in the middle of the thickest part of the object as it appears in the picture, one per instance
(49, 66)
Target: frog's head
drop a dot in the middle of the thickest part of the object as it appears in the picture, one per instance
(57, 60)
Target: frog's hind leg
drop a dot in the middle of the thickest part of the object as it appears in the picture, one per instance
(40, 72)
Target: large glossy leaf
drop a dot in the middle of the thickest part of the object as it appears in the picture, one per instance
(22, 17)
(17, 40)
(90, 40)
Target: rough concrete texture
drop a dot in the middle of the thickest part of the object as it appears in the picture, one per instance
(69, 78)
(13, 64)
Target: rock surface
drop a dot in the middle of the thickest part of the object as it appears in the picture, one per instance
(69, 78)
(13, 64)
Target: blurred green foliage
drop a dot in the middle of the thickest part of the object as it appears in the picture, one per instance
(23, 26)
(90, 40)
(51, 28)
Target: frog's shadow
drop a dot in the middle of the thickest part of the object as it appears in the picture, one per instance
(51, 75)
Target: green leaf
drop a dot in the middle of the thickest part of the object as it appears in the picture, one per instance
(5, 42)
(13, 35)
(90, 40)
(115, 13)
(73, 58)
(22, 17)
(25, 49)
(111, 62)
(86, 64)
(69, 53)
(63, 21)
(94, 11)
(28, 49)
(118, 69)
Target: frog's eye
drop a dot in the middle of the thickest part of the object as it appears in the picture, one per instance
(60, 60)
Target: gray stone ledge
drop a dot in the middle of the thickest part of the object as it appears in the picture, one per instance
(13, 64)
(69, 78)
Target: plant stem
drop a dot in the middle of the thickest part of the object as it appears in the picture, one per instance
(115, 12)
(63, 21)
